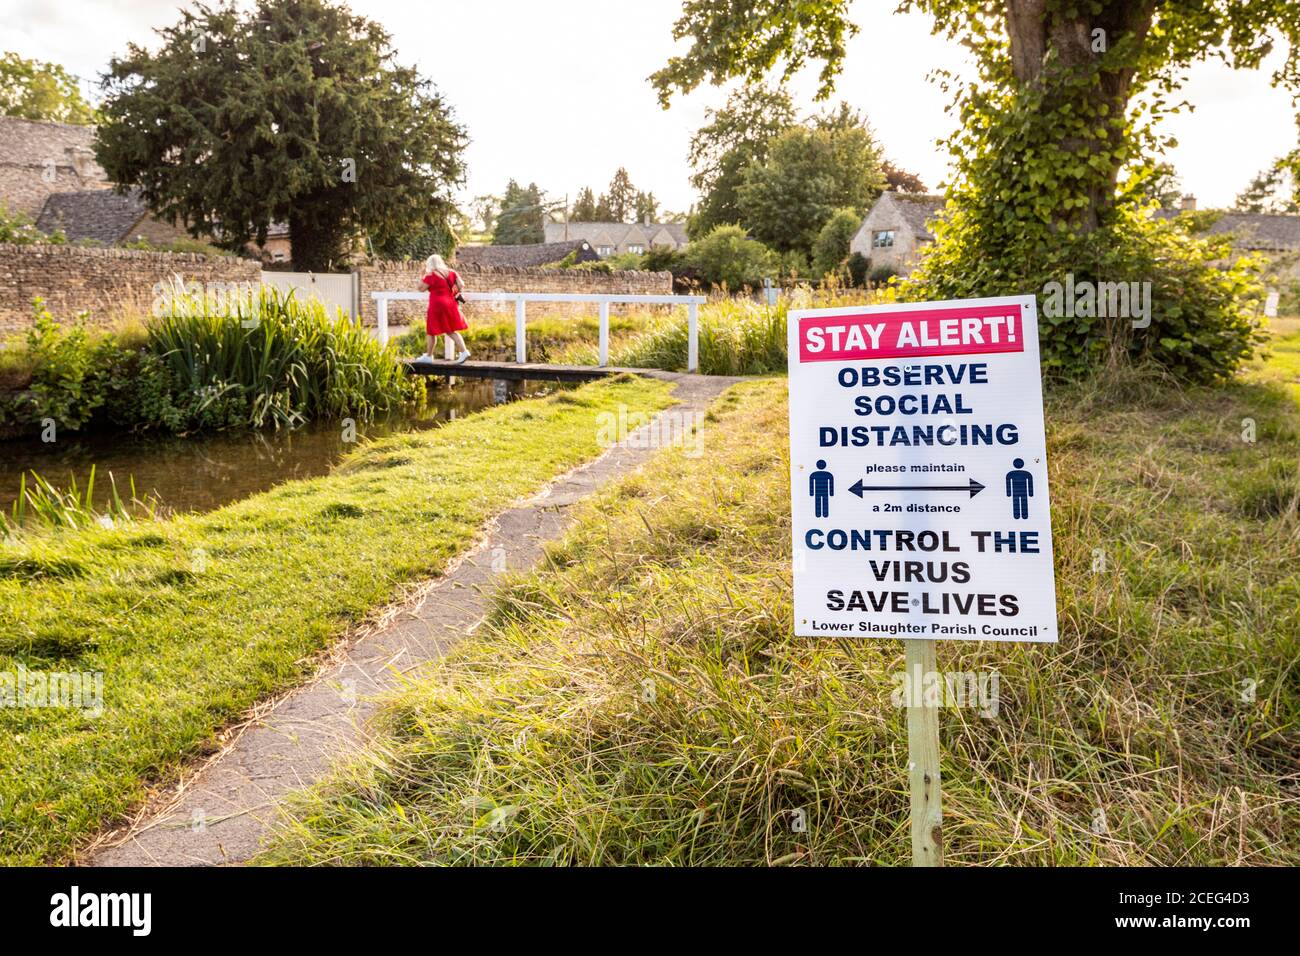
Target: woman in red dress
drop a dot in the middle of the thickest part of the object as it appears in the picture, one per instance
(443, 316)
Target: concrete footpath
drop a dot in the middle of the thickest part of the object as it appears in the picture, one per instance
(221, 811)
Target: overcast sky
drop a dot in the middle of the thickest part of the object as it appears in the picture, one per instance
(556, 92)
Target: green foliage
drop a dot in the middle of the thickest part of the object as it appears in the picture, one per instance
(808, 175)
(746, 38)
(293, 111)
(662, 259)
(645, 208)
(42, 504)
(421, 242)
(621, 198)
(882, 274)
(522, 215)
(64, 360)
(732, 139)
(584, 207)
(1273, 190)
(273, 362)
(1162, 186)
(623, 202)
(1201, 311)
(281, 363)
(727, 257)
(830, 251)
(900, 180)
(141, 393)
(31, 89)
(20, 230)
(1046, 130)
(858, 266)
(795, 265)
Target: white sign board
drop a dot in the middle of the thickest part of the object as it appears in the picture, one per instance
(918, 468)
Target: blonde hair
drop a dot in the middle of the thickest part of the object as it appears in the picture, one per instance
(435, 263)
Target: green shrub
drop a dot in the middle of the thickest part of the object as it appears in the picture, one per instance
(831, 248)
(662, 259)
(63, 385)
(140, 392)
(795, 265)
(858, 266)
(20, 230)
(882, 274)
(727, 257)
(1201, 325)
(275, 362)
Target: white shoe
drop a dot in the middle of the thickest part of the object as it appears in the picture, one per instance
(461, 357)
(422, 360)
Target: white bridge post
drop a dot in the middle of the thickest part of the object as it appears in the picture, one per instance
(521, 344)
(604, 334)
(693, 337)
(382, 320)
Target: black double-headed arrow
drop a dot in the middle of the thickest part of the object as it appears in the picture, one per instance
(974, 488)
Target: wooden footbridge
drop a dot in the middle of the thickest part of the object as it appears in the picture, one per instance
(516, 371)
(521, 368)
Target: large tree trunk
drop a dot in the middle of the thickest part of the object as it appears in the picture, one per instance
(1047, 50)
(317, 246)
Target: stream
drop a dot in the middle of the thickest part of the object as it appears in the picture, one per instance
(204, 472)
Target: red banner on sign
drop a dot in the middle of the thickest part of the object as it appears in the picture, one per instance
(969, 330)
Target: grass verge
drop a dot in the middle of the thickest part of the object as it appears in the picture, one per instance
(1281, 363)
(640, 700)
(192, 620)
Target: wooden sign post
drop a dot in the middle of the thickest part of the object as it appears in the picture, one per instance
(919, 508)
(923, 762)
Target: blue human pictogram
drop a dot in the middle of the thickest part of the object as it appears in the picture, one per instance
(821, 485)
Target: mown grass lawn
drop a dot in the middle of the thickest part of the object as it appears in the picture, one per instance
(641, 699)
(1281, 363)
(192, 620)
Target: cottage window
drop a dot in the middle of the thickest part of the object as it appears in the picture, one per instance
(635, 248)
(604, 250)
(883, 239)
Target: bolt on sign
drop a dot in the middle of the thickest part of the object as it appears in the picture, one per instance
(919, 472)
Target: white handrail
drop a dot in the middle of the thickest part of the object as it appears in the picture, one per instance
(692, 303)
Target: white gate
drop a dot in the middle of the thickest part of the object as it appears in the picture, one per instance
(334, 289)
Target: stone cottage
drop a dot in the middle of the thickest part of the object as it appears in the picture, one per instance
(105, 216)
(48, 173)
(896, 229)
(1275, 235)
(617, 238)
(39, 160)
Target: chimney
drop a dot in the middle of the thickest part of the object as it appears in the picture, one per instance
(647, 218)
(82, 160)
(1187, 203)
